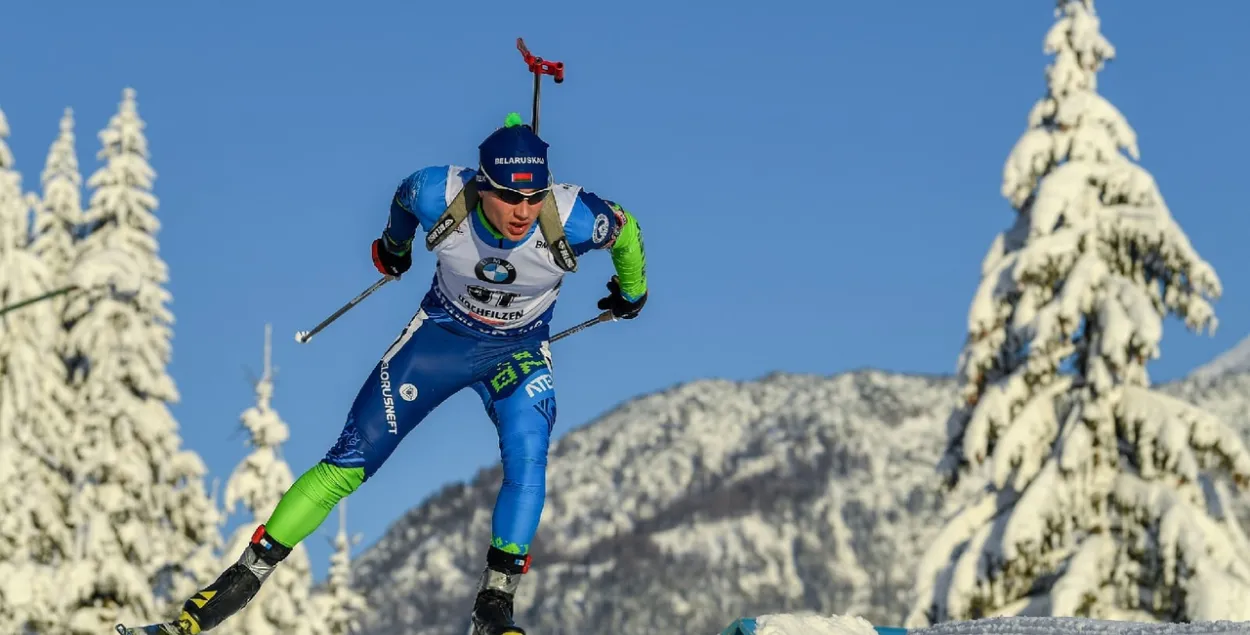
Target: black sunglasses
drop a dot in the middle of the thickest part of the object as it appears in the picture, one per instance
(513, 197)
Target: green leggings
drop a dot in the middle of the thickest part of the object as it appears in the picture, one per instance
(310, 500)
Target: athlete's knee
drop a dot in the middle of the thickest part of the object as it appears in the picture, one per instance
(351, 449)
(524, 457)
(364, 443)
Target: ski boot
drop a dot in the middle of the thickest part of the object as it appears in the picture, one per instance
(492, 610)
(227, 595)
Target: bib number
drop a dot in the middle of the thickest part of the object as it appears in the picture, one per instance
(500, 299)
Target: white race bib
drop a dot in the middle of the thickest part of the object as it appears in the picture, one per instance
(502, 288)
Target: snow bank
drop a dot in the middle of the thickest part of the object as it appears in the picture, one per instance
(787, 624)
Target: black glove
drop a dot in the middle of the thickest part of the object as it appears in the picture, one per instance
(617, 303)
(387, 262)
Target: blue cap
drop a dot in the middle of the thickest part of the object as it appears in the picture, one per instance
(514, 157)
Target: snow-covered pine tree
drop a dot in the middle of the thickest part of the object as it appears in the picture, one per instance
(148, 531)
(57, 216)
(16, 354)
(32, 385)
(1102, 497)
(284, 604)
(341, 605)
(59, 213)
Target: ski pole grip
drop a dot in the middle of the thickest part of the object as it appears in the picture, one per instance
(540, 66)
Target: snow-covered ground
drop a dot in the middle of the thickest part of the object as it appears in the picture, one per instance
(792, 624)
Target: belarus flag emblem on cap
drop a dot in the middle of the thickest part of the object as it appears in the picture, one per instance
(519, 177)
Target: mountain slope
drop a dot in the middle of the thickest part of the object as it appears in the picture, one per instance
(681, 510)
(1234, 360)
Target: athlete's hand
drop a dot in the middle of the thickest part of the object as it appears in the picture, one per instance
(617, 303)
(387, 262)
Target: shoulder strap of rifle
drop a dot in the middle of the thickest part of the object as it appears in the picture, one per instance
(455, 214)
(553, 231)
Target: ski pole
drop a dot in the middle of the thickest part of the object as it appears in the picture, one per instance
(606, 316)
(539, 67)
(38, 298)
(303, 336)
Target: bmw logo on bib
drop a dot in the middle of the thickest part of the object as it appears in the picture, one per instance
(495, 270)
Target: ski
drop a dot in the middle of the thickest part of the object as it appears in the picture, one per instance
(166, 628)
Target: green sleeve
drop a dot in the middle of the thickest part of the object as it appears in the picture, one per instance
(630, 259)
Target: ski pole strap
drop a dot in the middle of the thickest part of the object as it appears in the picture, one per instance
(548, 222)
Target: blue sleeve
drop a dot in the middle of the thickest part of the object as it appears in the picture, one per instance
(418, 202)
(593, 223)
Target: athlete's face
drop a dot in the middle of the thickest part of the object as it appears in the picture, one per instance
(511, 213)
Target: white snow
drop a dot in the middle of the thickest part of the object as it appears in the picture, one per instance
(59, 212)
(792, 624)
(737, 542)
(110, 269)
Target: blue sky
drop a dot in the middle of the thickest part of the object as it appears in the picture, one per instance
(817, 182)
